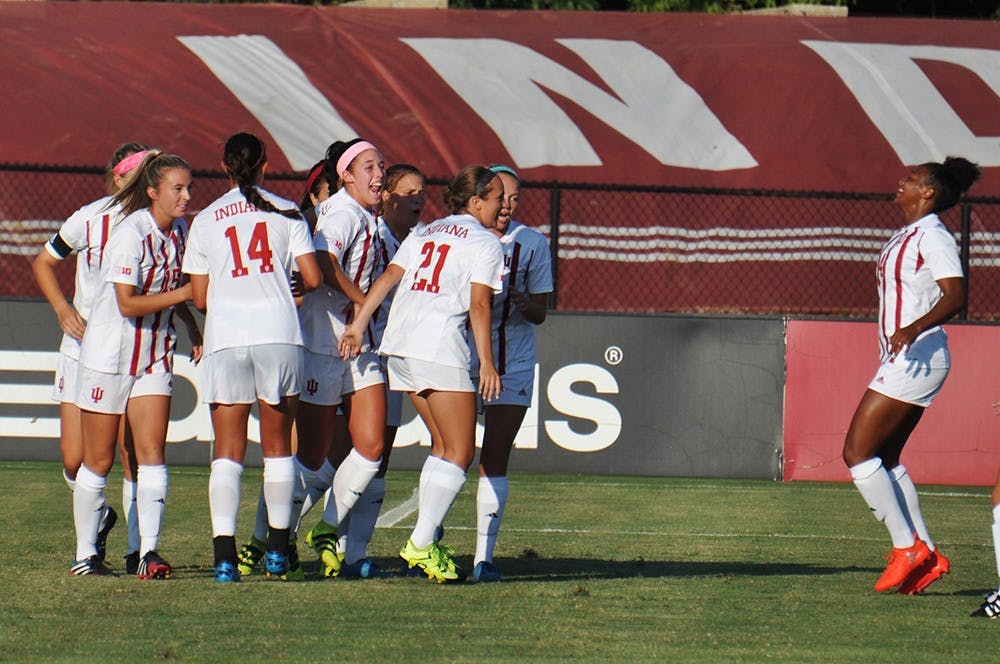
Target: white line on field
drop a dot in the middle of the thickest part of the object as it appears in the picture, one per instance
(391, 517)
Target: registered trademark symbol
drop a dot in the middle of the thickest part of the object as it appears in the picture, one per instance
(613, 355)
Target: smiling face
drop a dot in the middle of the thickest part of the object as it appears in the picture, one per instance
(402, 206)
(913, 195)
(487, 206)
(511, 188)
(170, 197)
(363, 178)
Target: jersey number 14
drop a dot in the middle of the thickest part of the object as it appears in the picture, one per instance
(259, 249)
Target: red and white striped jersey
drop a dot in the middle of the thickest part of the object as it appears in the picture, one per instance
(141, 255)
(87, 232)
(248, 255)
(909, 267)
(441, 261)
(349, 233)
(528, 269)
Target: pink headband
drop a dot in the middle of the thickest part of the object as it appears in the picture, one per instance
(129, 162)
(352, 152)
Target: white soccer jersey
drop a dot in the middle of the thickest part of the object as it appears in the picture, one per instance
(141, 255)
(87, 232)
(249, 255)
(527, 268)
(441, 261)
(349, 233)
(391, 245)
(911, 263)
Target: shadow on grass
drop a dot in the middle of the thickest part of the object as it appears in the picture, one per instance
(562, 569)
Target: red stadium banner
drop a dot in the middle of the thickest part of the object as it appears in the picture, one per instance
(955, 441)
(830, 104)
(679, 100)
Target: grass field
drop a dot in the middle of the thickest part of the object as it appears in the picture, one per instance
(595, 569)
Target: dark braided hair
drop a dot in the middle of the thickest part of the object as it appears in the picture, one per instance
(950, 180)
(243, 158)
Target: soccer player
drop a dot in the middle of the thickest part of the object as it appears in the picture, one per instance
(87, 232)
(349, 250)
(921, 286)
(990, 607)
(126, 357)
(403, 201)
(240, 255)
(521, 305)
(446, 270)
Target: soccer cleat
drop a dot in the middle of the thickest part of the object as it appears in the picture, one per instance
(226, 572)
(990, 607)
(902, 562)
(323, 540)
(93, 565)
(276, 563)
(295, 572)
(485, 572)
(152, 566)
(132, 562)
(107, 523)
(933, 569)
(432, 561)
(249, 555)
(363, 569)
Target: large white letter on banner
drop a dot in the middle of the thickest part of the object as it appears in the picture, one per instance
(903, 103)
(293, 111)
(651, 105)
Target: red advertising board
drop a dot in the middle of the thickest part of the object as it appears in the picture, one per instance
(829, 365)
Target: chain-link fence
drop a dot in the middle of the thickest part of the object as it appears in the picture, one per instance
(620, 249)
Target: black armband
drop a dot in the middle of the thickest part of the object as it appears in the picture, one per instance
(59, 245)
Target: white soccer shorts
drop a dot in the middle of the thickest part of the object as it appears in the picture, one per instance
(244, 374)
(407, 374)
(322, 379)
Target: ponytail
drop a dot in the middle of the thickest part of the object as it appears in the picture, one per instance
(243, 159)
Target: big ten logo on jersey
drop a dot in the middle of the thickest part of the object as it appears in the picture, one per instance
(595, 424)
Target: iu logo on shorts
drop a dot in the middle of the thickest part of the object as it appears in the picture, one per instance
(62, 382)
(97, 394)
(312, 385)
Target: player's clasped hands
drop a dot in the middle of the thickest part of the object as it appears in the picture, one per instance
(350, 341)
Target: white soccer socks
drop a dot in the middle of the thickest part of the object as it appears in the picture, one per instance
(906, 494)
(491, 499)
(88, 508)
(151, 502)
(351, 480)
(224, 496)
(279, 486)
(437, 493)
(363, 517)
(876, 488)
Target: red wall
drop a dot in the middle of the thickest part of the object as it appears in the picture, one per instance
(828, 366)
